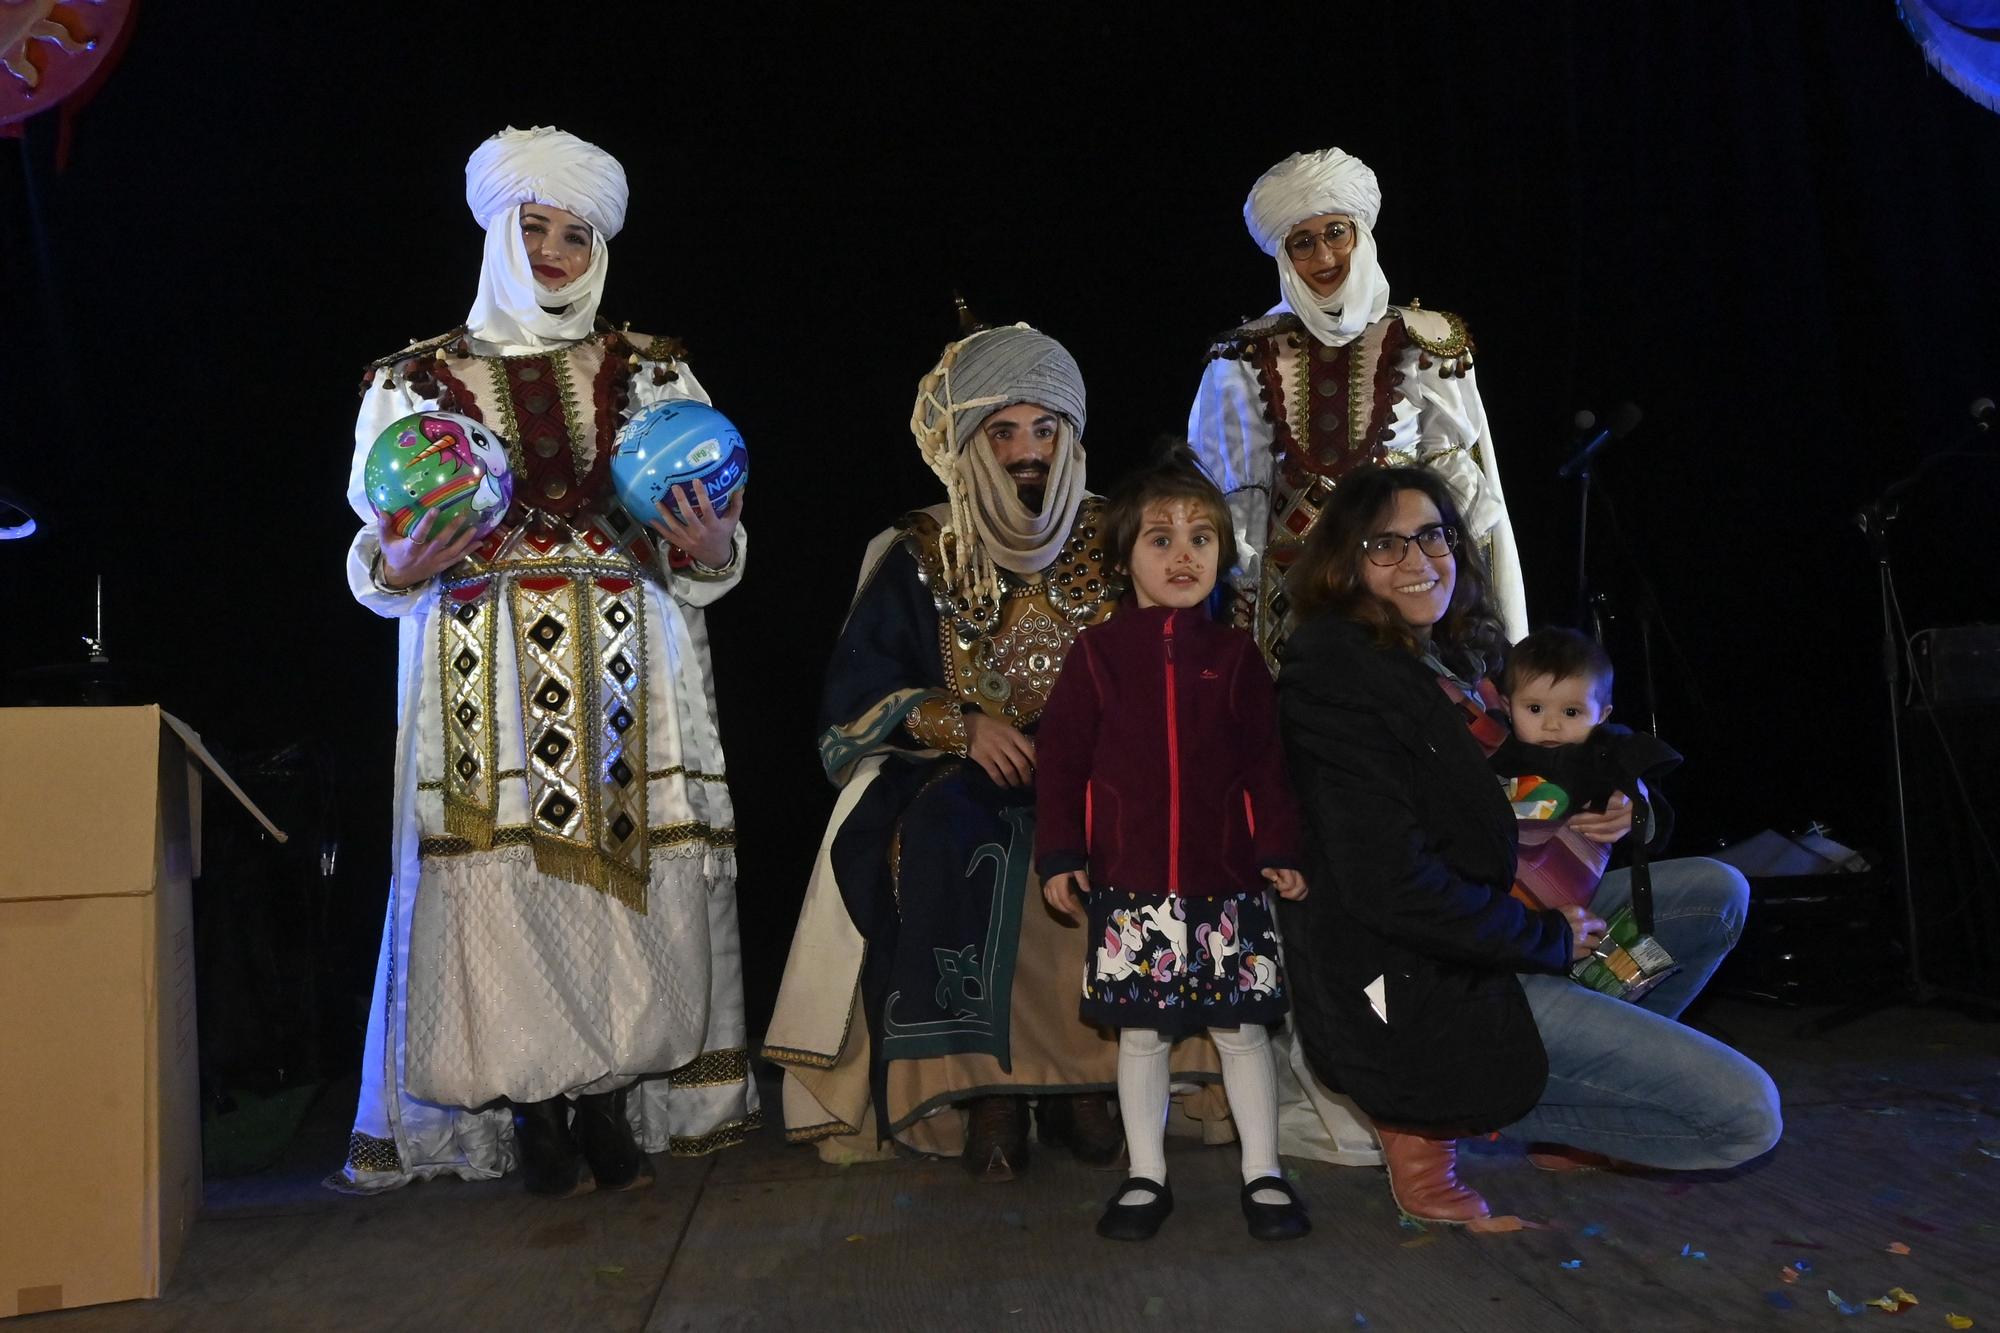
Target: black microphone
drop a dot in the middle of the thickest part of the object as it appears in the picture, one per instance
(1883, 508)
(1624, 419)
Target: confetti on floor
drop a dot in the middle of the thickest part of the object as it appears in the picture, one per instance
(856, 1236)
(1896, 1301)
(1504, 1222)
(1777, 1300)
(1845, 1307)
(1958, 1321)
(1687, 1253)
(1571, 1263)
(1789, 1274)
(1897, 1247)
(1424, 1239)
(1594, 1229)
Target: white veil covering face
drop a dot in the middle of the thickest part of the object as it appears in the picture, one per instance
(512, 311)
(1306, 185)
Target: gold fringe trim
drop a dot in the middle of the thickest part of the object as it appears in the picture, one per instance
(713, 1069)
(814, 1133)
(727, 1136)
(520, 835)
(474, 825)
(655, 775)
(787, 1055)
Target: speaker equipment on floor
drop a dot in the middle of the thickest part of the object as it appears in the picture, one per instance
(1951, 755)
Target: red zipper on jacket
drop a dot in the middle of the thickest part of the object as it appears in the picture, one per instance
(1173, 767)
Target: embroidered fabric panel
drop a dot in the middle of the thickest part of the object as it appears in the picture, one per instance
(538, 417)
(1336, 400)
(468, 637)
(713, 1069)
(1004, 659)
(365, 1152)
(581, 655)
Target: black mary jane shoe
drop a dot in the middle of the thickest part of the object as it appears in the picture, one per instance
(1274, 1221)
(605, 1135)
(550, 1162)
(1136, 1221)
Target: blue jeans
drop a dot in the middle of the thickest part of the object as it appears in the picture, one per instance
(1630, 1081)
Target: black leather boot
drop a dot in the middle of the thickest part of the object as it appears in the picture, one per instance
(550, 1162)
(605, 1136)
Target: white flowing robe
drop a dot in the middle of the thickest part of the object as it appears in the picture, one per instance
(496, 980)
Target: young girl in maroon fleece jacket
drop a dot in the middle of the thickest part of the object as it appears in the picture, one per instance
(1161, 810)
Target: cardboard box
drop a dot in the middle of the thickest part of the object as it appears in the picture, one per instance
(100, 1148)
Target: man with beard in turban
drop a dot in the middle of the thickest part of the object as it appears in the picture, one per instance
(1335, 378)
(923, 906)
(559, 982)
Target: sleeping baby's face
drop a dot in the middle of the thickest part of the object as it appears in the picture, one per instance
(1548, 711)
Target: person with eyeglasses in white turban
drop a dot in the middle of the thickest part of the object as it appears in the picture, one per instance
(929, 992)
(560, 982)
(1333, 378)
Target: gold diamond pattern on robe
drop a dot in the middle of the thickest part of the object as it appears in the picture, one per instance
(618, 671)
(468, 633)
(558, 756)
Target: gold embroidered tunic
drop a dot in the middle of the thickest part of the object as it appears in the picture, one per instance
(1281, 418)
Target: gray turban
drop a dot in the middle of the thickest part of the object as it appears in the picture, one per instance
(976, 377)
(998, 368)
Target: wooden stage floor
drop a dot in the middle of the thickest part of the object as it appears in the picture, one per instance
(1892, 1140)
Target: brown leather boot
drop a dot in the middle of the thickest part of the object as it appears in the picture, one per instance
(1085, 1124)
(996, 1138)
(1423, 1177)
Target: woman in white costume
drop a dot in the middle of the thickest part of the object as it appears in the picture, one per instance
(560, 980)
(1335, 378)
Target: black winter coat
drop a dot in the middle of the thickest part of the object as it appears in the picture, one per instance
(1410, 854)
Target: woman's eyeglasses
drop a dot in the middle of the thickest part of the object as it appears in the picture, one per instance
(1338, 236)
(1389, 548)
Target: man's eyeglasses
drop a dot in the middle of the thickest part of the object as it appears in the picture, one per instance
(1389, 548)
(1338, 236)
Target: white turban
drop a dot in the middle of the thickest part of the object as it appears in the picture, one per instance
(546, 165)
(1307, 185)
(513, 312)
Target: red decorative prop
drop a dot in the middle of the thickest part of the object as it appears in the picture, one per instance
(57, 51)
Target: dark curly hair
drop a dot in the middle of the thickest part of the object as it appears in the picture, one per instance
(1326, 579)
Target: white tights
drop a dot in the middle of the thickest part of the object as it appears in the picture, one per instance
(1247, 1076)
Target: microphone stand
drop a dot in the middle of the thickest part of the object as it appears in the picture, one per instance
(1591, 613)
(1875, 519)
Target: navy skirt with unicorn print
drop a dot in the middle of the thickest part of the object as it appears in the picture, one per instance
(1180, 965)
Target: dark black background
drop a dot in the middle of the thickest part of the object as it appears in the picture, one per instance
(1771, 225)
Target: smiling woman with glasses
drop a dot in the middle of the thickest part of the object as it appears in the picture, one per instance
(1422, 988)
